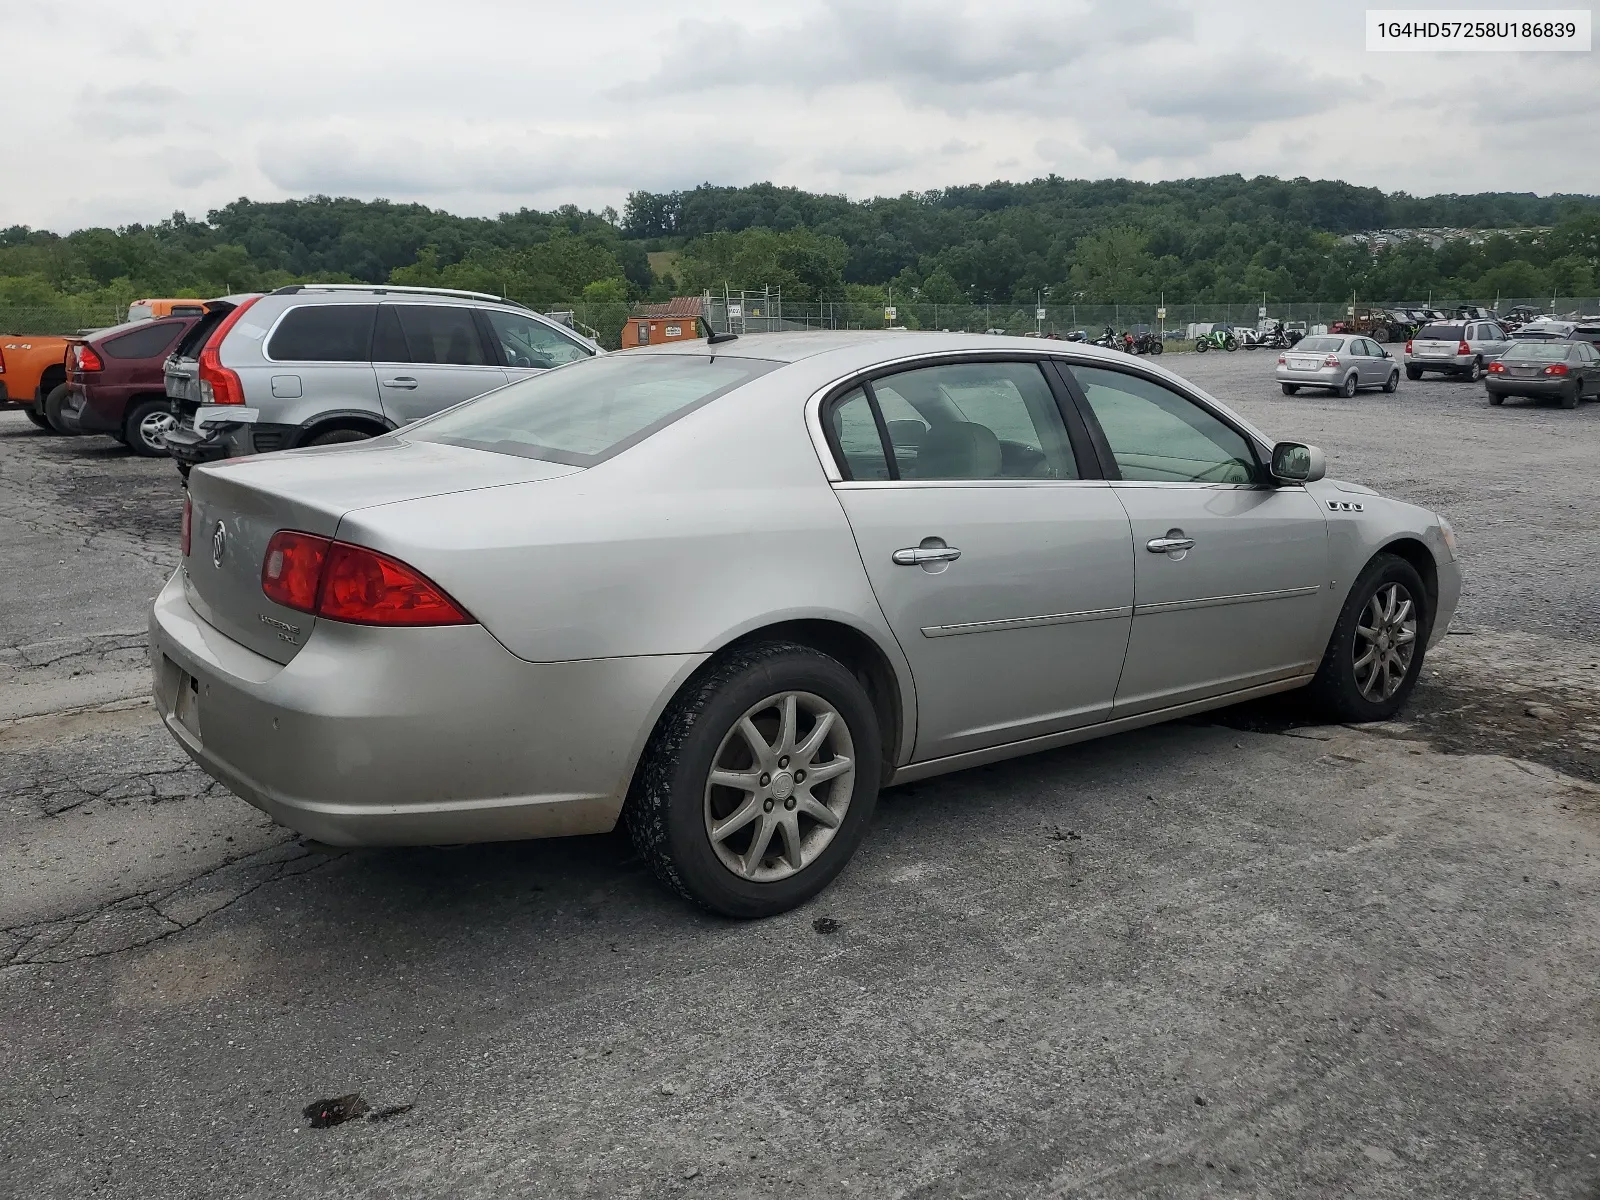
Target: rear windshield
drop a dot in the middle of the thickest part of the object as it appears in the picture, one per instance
(588, 411)
(143, 343)
(189, 347)
(1319, 345)
(1440, 333)
(1541, 352)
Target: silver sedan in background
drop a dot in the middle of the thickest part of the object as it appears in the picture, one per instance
(725, 592)
(1341, 363)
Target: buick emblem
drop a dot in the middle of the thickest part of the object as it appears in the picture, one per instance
(219, 544)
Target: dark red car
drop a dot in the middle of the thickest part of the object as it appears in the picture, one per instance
(115, 383)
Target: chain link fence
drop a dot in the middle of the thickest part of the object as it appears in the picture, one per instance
(58, 321)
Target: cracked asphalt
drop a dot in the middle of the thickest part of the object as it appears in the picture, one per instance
(1247, 955)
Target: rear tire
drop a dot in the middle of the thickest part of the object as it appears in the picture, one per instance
(55, 410)
(1569, 397)
(335, 437)
(1349, 388)
(1291, 389)
(1338, 687)
(1156, 347)
(1413, 372)
(673, 805)
(145, 427)
(1475, 371)
(1393, 383)
(1496, 398)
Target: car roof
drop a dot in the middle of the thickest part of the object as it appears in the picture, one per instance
(856, 349)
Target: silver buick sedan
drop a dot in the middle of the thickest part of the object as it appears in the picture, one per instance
(723, 592)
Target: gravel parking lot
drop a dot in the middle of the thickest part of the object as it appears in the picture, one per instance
(1241, 955)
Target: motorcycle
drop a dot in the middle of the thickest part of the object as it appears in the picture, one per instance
(1108, 339)
(1147, 343)
(1217, 339)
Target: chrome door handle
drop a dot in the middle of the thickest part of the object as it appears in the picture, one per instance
(915, 556)
(403, 381)
(1163, 545)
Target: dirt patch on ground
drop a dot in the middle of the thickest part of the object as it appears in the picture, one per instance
(1521, 695)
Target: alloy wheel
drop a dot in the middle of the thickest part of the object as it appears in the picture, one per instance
(1385, 642)
(779, 787)
(153, 429)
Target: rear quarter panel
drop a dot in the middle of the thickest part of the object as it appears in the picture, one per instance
(718, 525)
(27, 359)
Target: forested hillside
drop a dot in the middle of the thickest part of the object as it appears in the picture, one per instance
(1224, 239)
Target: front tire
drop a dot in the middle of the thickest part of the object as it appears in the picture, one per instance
(1376, 651)
(1393, 383)
(721, 806)
(1156, 347)
(1201, 345)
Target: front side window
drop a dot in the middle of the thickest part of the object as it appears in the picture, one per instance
(143, 343)
(592, 409)
(975, 421)
(428, 334)
(323, 333)
(525, 342)
(1159, 436)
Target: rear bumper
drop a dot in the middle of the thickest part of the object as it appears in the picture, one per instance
(410, 737)
(96, 412)
(1328, 377)
(192, 448)
(1499, 385)
(1451, 362)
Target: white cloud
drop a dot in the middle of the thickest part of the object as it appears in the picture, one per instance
(502, 105)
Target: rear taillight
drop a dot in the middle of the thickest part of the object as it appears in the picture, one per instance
(1463, 348)
(1408, 345)
(291, 573)
(1282, 358)
(1497, 368)
(1331, 360)
(219, 385)
(188, 520)
(349, 583)
(1554, 369)
(85, 359)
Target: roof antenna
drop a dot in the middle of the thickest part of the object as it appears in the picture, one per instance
(717, 338)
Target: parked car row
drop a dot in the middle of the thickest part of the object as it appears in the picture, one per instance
(1565, 369)
(306, 365)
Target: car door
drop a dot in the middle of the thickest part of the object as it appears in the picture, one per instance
(1495, 340)
(429, 357)
(1231, 585)
(320, 361)
(527, 345)
(1377, 363)
(1006, 576)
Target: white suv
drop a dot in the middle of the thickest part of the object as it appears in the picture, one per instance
(313, 364)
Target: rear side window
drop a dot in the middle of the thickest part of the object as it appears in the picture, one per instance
(855, 432)
(323, 333)
(143, 343)
(427, 333)
(1441, 333)
(591, 410)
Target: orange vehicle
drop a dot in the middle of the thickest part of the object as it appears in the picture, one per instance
(144, 310)
(31, 368)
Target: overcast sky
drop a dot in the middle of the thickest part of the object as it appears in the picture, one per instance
(120, 112)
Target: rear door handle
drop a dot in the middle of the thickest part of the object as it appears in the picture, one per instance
(1173, 541)
(915, 556)
(401, 381)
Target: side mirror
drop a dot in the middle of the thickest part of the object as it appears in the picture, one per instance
(1294, 463)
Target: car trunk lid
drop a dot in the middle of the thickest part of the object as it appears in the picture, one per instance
(237, 506)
